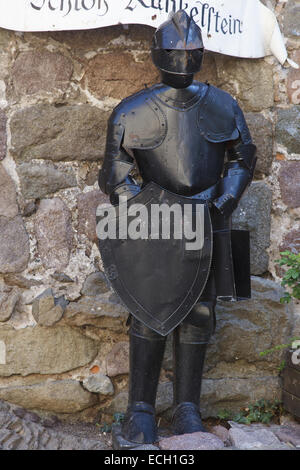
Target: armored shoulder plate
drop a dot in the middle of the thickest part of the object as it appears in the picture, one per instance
(143, 121)
(217, 116)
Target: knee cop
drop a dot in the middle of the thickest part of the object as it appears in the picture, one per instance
(199, 325)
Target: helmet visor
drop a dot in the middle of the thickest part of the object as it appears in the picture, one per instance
(178, 61)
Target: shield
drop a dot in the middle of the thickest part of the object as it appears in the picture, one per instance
(156, 261)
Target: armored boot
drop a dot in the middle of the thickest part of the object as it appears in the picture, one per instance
(146, 355)
(189, 348)
(189, 357)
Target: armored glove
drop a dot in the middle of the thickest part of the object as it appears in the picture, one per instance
(127, 190)
(237, 176)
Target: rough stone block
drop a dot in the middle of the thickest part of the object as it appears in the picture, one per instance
(288, 128)
(221, 432)
(95, 284)
(44, 309)
(249, 81)
(37, 181)
(100, 311)
(262, 134)
(14, 247)
(291, 14)
(118, 75)
(54, 233)
(195, 441)
(40, 70)
(99, 383)
(8, 196)
(246, 328)
(232, 394)
(289, 181)
(2, 135)
(87, 204)
(291, 242)
(21, 281)
(288, 434)
(254, 214)
(58, 396)
(8, 301)
(117, 360)
(293, 80)
(246, 438)
(40, 350)
(65, 133)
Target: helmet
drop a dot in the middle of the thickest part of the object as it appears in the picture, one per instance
(177, 45)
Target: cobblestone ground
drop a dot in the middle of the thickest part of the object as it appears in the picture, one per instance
(24, 430)
(238, 437)
(21, 430)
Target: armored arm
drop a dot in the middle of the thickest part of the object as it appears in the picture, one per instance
(239, 168)
(114, 176)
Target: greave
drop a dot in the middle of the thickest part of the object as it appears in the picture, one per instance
(189, 355)
(146, 355)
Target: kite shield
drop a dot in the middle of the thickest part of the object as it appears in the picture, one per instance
(157, 254)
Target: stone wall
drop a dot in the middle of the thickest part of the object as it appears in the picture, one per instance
(63, 334)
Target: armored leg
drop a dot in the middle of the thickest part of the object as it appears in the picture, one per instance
(189, 345)
(146, 355)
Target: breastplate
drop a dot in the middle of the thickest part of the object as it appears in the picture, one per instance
(185, 162)
(177, 141)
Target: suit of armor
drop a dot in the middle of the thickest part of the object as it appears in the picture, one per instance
(191, 139)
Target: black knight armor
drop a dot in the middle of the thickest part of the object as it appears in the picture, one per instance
(190, 143)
